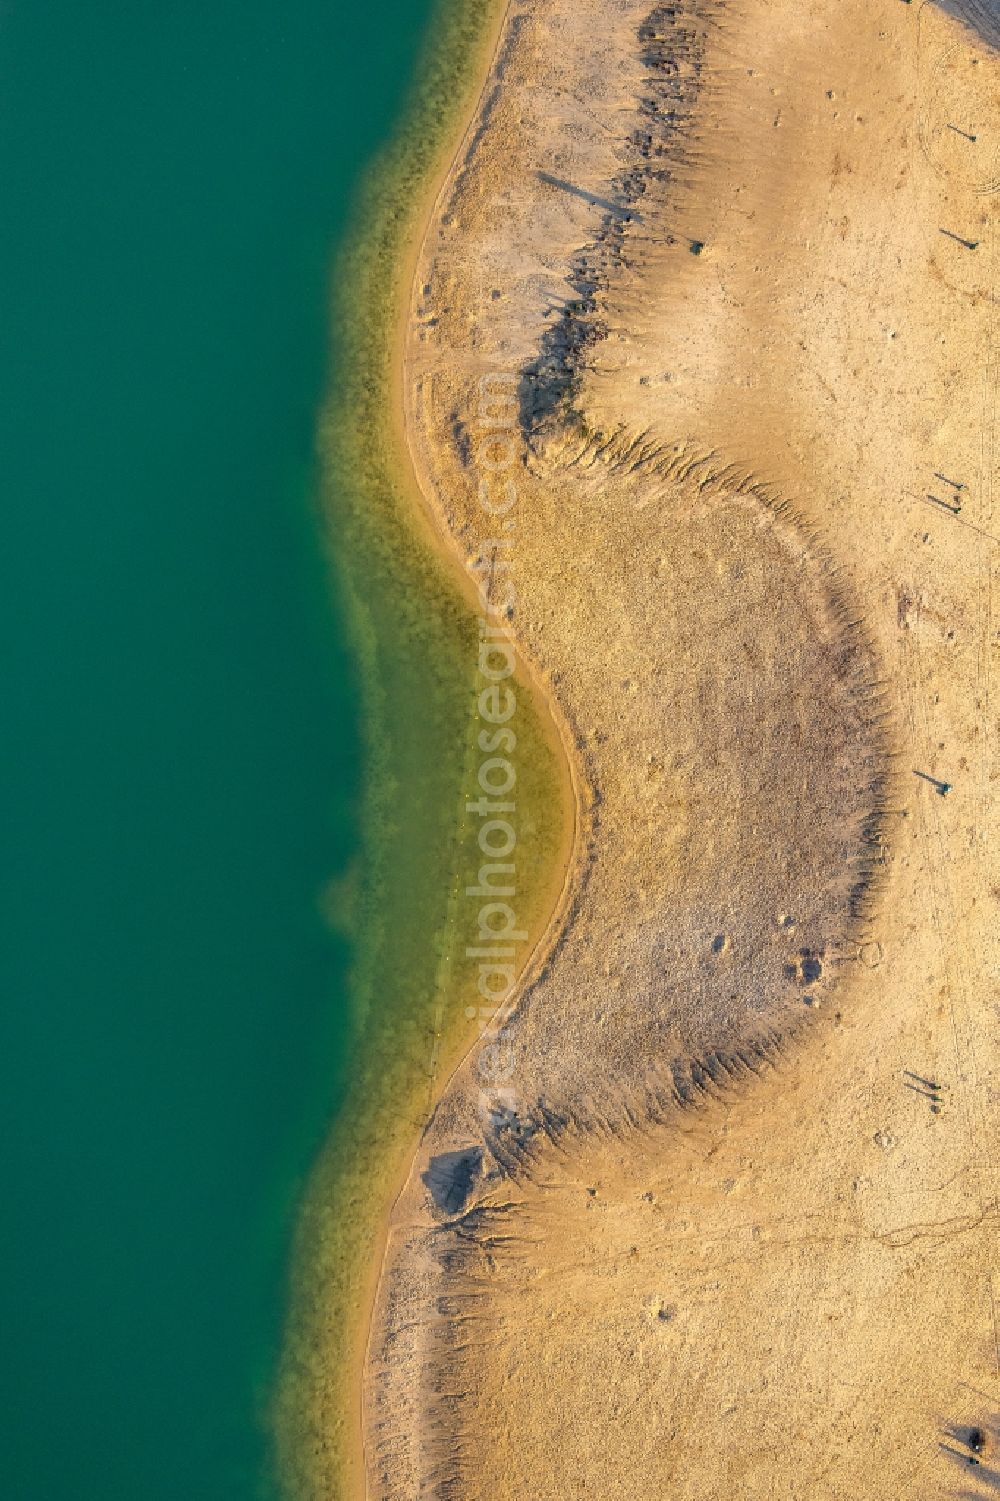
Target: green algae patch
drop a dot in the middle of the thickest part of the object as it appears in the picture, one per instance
(415, 996)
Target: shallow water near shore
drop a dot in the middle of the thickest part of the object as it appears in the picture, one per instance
(236, 779)
(414, 990)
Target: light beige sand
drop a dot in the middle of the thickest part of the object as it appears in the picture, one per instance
(688, 1223)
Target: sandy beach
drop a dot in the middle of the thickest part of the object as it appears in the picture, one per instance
(700, 390)
(414, 636)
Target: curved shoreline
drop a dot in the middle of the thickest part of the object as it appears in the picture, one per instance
(566, 868)
(545, 905)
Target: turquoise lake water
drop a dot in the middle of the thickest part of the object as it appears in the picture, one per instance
(181, 741)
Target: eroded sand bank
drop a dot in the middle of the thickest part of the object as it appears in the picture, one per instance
(712, 1209)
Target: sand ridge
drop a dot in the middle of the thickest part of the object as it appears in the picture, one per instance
(714, 1205)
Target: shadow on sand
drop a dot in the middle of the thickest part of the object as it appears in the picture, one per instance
(982, 16)
(451, 1177)
(619, 210)
(971, 1451)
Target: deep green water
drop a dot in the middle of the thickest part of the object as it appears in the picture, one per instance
(181, 746)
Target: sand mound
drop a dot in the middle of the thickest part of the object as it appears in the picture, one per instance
(723, 707)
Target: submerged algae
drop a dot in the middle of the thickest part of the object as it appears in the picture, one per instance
(414, 994)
